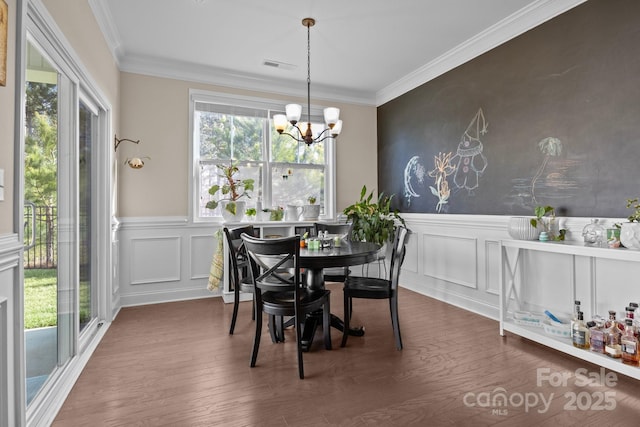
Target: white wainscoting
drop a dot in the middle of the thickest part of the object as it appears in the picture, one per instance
(4, 371)
(11, 336)
(163, 259)
(456, 259)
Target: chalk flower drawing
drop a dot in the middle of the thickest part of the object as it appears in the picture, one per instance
(443, 168)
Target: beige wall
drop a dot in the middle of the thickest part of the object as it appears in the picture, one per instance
(7, 118)
(76, 20)
(156, 111)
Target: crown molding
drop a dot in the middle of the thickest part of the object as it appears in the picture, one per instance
(160, 67)
(525, 19)
(520, 22)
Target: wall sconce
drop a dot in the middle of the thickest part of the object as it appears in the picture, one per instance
(133, 162)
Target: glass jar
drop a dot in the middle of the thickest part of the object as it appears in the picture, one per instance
(594, 234)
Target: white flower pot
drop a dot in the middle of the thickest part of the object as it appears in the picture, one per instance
(228, 216)
(520, 228)
(310, 212)
(630, 235)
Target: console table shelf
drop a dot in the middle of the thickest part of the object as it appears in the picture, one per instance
(511, 275)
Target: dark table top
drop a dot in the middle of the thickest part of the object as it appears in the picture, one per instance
(348, 253)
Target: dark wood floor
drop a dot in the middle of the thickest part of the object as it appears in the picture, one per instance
(176, 365)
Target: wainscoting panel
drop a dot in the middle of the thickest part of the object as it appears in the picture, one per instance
(452, 259)
(412, 255)
(199, 265)
(155, 259)
(163, 259)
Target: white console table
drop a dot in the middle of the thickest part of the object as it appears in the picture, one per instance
(266, 228)
(511, 276)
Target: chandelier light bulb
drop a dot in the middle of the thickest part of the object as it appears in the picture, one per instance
(294, 111)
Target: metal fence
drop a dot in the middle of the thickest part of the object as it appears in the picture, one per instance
(40, 231)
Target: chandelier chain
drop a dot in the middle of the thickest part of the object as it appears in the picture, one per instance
(309, 72)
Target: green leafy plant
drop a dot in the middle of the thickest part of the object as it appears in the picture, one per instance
(633, 204)
(232, 190)
(251, 212)
(312, 200)
(373, 220)
(548, 212)
(276, 214)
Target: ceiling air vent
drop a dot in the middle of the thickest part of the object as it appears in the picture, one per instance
(277, 64)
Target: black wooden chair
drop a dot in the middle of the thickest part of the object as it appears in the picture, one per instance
(301, 229)
(279, 291)
(376, 288)
(335, 274)
(239, 276)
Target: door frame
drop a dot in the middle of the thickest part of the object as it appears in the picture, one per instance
(34, 19)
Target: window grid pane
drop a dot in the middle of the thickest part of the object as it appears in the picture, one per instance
(246, 135)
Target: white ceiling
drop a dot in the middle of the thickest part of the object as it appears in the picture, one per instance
(362, 51)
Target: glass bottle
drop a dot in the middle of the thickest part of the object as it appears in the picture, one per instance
(629, 343)
(636, 320)
(576, 310)
(580, 333)
(630, 314)
(613, 334)
(594, 234)
(597, 333)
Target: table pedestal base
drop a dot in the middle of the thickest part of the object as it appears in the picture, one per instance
(311, 324)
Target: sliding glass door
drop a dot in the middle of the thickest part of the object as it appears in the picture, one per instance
(46, 341)
(60, 297)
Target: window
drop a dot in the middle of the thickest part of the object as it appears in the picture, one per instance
(239, 129)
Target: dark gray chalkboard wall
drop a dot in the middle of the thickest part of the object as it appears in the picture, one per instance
(562, 108)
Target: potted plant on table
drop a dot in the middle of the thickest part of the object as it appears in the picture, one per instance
(372, 219)
(232, 191)
(251, 213)
(546, 219)
(630, 231)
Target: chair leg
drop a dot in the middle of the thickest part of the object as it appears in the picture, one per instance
(299, 346)
(280, 328)
(236, 304)
(393, 304)
(273, 329)
(253, 301)
(326, 324)
(347, 317)
(256, 340)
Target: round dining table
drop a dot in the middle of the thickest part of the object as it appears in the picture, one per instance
(314, 261)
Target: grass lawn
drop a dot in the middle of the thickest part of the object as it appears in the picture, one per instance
(40, 298)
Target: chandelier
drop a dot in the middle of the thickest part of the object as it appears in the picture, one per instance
(294, 111)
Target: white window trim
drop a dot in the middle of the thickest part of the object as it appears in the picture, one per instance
(196, 95)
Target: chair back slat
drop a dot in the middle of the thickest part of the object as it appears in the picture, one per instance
(343, 228)
(236, 249)
(397, 255)
(277, 260)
